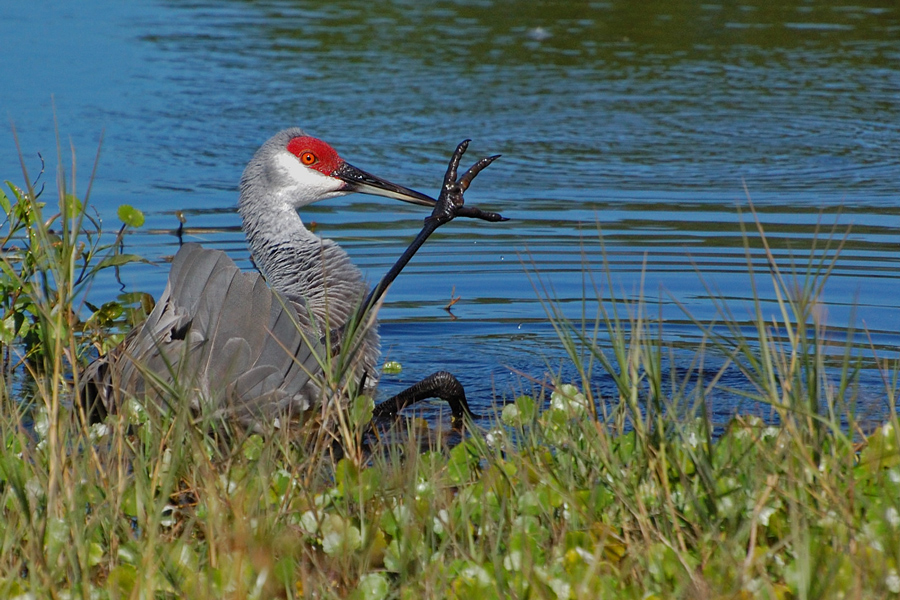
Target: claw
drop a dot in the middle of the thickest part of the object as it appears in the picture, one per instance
(450, 202)
(476, 213)
(474, 170)
(450, 177)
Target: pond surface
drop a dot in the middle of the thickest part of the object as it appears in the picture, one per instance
(653, 122)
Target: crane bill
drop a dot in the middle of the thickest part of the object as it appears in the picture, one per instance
(358, 180)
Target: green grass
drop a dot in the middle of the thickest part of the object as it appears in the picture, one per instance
(587, 497)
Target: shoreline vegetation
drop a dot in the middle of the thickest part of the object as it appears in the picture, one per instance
(561, 495)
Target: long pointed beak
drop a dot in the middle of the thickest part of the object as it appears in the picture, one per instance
(358, 180)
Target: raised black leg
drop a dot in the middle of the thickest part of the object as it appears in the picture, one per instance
(450, 204)
(441, 385)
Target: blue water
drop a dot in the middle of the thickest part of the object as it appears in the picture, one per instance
(655, 124)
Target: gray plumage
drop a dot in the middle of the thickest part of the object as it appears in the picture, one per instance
(314, 272)
(233, 345)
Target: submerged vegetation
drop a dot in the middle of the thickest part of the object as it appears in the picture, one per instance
(571, 495)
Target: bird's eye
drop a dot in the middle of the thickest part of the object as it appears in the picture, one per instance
(308, 158)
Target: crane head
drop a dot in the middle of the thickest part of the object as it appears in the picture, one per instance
(318, 173)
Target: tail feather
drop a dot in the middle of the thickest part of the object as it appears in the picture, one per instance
(218, 333)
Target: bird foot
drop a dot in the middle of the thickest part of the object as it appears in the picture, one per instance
(451, 203)
(441, 385)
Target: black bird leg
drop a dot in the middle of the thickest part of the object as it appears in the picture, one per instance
(450, 204)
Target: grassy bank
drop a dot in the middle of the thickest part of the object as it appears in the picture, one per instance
(564, 496)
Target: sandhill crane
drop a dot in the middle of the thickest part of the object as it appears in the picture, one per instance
(244, 350)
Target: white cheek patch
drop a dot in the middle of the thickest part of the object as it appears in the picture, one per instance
(306, 185)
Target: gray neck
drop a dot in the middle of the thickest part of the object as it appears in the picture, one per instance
(314, 272)
(270, 231)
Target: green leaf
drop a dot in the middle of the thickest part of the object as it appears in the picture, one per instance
(372, 586)
(107, 313)
(345, 474)
(95, 554)
(130, 503)
(281, 482)
(511, 415)
(9, 271)
(392, 560)
(8, 329)
(130, 216)
(624, 446)
(355, 483)
(5, 204)
(527, 408)
(395, 520)
(253, 447)
(882, 449)
(70, 205)
(122, 580)
(392, 367)
(339, 536)
(521, 412)
(463, 460)
(361, 409)
(117, 260)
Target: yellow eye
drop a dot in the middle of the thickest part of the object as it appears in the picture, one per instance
(308, 158)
